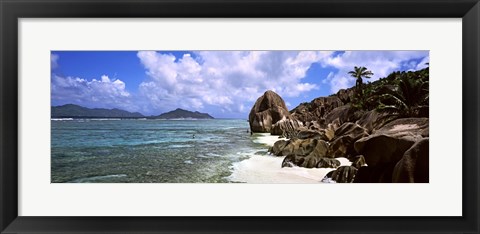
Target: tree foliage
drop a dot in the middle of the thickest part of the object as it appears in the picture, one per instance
(400, 94)
(359, 73)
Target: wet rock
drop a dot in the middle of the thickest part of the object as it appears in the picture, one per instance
(328, 163)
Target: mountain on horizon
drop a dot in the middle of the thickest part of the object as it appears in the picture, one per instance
(76, 111)
(184, 114)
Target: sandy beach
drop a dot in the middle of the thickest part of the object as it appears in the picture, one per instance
(267, 168)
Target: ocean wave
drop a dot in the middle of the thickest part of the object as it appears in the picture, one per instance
(61, 119)
(95, 178)
(266, 138)
(180, 146)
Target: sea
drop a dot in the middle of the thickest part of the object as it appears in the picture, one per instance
(167, 151)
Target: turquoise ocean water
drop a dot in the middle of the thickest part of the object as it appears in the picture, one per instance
(148, 151)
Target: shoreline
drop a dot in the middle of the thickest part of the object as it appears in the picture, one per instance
(267, 169)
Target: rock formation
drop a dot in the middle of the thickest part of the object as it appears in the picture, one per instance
(383, 146)
(344, 174)
(268, 110)
(328, 163)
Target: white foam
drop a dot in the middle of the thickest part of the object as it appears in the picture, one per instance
(344, 161)
(95, 178)
(266, 138)
(261, 169)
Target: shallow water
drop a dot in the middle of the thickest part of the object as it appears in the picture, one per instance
(151, 151)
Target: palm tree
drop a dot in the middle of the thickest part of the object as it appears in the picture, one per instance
(409, 99)
(359, 73)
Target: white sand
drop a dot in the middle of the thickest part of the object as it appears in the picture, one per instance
(266, 139)
(261, 169)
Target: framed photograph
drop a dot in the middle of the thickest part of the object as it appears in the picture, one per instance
(227, 116)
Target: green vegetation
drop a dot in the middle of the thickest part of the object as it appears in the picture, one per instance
(399, 95)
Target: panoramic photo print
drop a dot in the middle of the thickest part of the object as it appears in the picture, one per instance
(240, 117)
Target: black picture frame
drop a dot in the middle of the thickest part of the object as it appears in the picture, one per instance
(12, 10)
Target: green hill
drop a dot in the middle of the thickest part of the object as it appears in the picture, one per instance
(184, 114)
(76, 111)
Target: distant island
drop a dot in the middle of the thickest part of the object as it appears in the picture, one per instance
(76, 111)
(184, 114)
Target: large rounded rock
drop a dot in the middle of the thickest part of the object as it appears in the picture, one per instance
(342, 144)
(388, 144)
(286, 127)
(268, 110)
(304, 153)
(414, 165)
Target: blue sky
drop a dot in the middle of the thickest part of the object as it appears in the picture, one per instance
(224, 84)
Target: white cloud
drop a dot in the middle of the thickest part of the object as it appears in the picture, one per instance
(53, 61)
(423, 64)
(381, 63)
(96, 93)
(225, 79)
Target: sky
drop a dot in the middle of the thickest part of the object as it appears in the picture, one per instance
(224, 84)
